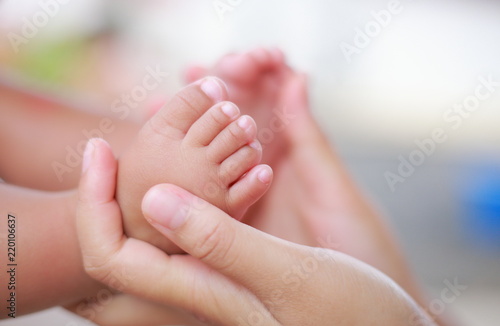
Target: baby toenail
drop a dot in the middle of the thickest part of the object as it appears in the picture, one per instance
(265, 175)
(244, 123)
(230, 110)
(255, 145)
(211, 87)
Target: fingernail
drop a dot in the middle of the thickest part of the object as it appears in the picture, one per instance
(87, 155)
(212, 88)
(165, 208)
(265, 175)
(230, 110)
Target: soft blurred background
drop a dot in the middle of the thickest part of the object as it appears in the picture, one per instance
(373, 105)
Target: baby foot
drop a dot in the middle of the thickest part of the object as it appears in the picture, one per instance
(255, 80)
(199, 142)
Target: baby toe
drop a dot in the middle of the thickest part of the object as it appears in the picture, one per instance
(239, 163)
(212, 123)
(247, 190)
(237, 134)
(188, 105)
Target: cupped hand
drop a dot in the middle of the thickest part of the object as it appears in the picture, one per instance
(234, 274)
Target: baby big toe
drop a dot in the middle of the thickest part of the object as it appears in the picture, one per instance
(188, 105)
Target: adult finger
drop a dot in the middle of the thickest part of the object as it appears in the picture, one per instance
(138, 268)
(237, 250)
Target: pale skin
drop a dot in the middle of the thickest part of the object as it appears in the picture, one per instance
(255, 86)
(215, 142)
(271, 212)
(41, 130)
(33, 133)
(200, 140)
(309, 209)
(312, 191)
(299, 285)
(54, 127)
(35, 129)
(49, 269)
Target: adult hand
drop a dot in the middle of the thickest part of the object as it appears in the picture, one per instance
(234, 275)
(314, 201)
